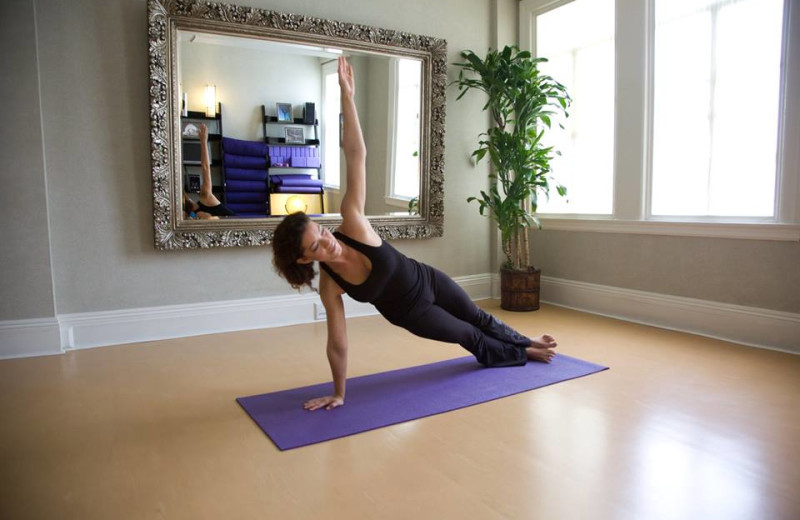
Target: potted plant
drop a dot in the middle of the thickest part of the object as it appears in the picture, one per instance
(522, 103)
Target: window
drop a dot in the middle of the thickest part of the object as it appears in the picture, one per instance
(715, 107)
(578, 40)
(404, 101)
(331, 106)
(704, 129)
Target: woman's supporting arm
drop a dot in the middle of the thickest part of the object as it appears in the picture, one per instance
(336, 347)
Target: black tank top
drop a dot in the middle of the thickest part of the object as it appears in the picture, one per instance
(395, 283)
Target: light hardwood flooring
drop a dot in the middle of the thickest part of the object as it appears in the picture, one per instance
(681, 427)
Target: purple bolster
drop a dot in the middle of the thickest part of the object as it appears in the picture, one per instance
(245, 161)
(280, 179)
(234, 185)
(240, 147)
(248, 208)
(297, 189)
(260, 214)
(245, 196)
(245, 175)
(305, 183)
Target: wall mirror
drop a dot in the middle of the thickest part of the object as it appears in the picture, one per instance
(264, 84)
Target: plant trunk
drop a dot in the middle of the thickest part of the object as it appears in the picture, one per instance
(526, 249)
(526, 246)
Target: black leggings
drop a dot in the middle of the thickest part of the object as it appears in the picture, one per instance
(446, 313)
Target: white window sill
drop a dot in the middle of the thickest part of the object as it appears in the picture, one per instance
(399, 203)
(746, 231)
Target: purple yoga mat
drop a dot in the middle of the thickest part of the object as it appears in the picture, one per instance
(379, 400)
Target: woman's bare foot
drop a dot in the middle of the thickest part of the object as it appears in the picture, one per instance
(544, 341)
(543, 355)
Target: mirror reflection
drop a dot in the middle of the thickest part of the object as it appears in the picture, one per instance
(260, 128)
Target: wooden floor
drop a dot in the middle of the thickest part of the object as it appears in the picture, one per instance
(681, 427)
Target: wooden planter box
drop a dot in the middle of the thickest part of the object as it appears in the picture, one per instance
(519, 290)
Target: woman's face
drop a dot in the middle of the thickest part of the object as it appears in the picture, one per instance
(319, 244)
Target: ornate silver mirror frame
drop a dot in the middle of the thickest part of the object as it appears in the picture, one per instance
(166, 17)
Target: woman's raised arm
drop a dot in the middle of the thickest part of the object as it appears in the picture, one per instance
(354, 222)
(355, 151)
(205, 164)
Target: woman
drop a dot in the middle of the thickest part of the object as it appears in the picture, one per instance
(209, 206)
(354, 260)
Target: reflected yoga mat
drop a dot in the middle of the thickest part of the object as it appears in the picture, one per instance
(379, 400)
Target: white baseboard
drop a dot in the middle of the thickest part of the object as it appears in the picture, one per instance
(751, 326)
(477, 286)
(96, 329)
(25, 338)
(745, 325)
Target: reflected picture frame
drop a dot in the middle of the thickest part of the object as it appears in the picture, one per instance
(190, 129)
(284, 111)
(294, 135)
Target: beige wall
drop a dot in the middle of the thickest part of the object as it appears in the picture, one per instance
(753, 273)
(93, 92)
(25, 255)
(86, 164)
(26, 282)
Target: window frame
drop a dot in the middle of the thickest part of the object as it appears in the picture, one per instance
(631, 213)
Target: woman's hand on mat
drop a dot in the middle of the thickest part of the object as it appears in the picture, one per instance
(329, 403)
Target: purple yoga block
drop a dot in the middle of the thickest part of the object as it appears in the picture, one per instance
(298, 162)
(279, 161)
(312, 162)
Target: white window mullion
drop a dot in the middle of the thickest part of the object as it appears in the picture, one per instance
(787, 195)
(631, 129)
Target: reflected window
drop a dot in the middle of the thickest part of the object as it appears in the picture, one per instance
(331, 106)
(405, 99)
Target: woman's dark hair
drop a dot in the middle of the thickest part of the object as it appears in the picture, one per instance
(287, 248)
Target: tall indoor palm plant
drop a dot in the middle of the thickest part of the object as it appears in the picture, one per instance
(523, 103)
